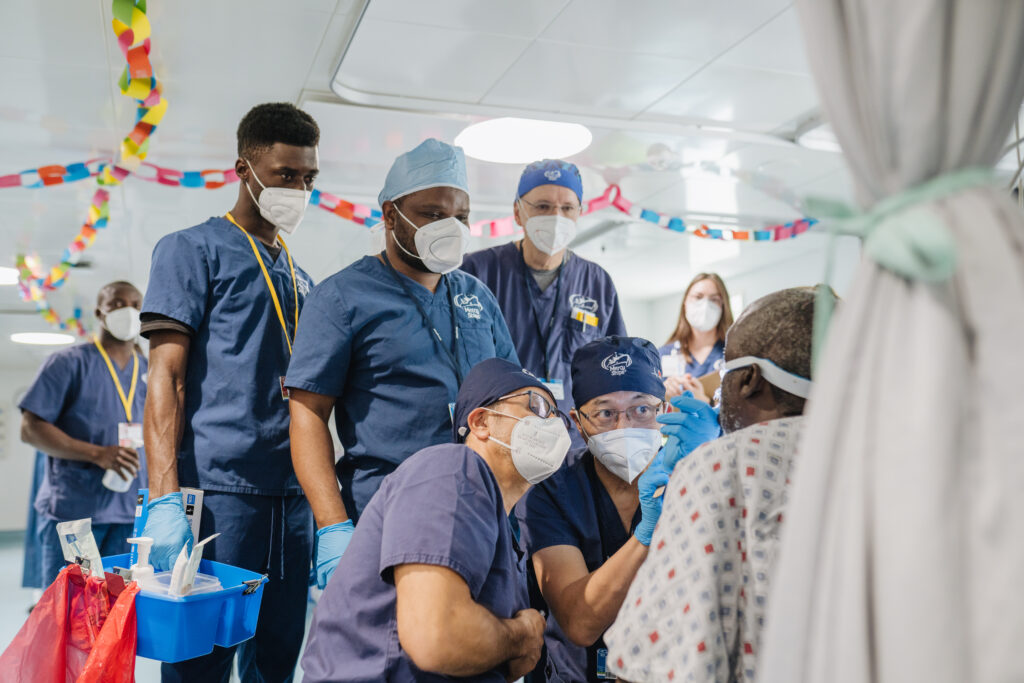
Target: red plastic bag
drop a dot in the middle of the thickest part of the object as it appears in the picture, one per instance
(78, 632)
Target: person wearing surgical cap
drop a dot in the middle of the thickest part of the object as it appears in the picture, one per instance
(385, 343)
(553, 300)
(696, 609)
(587, 528)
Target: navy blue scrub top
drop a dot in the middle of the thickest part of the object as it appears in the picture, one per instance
(442, 507)
(572, 507)
(584, 285)
(707, 366)
(235, 438)
(362, 339)
(75, 392)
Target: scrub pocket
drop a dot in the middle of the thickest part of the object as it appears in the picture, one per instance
(477, 342)
(576, 335)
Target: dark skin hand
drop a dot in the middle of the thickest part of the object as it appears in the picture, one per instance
(423, 207)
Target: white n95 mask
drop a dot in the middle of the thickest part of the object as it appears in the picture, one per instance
(550, 234)
(123, 323)
(538, 446)
(703, 314)
(282, 206)
(625, 452)
(441, 244)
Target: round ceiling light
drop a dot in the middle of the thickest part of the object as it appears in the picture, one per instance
(8, 276)
(520, 141)
(42, 338)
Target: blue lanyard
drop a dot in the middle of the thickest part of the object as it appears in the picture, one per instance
(543, 335)
(453, 357)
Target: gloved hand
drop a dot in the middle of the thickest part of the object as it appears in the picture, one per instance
(168, 526)
(695, 424)
(653, 478)
(331, 542)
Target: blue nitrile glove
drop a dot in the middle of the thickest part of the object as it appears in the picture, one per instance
(695, 424)
(654, 477)
(168, 526)
(331, 542)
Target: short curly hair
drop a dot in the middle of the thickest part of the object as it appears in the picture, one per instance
(273, 122)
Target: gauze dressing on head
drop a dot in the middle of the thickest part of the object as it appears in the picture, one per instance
(787, 381)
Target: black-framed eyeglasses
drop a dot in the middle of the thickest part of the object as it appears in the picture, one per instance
(641, 415)
(539, 405)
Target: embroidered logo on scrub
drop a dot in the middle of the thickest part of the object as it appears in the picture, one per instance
(303, 285)
(553, 174)
(617, 363)
(470, 304)
(584, 303)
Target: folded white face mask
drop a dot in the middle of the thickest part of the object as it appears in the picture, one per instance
(441, 244)
(538, 447)
(282, 206)
(625, 452)
(550, 234)
(123, 323)
(703, 314)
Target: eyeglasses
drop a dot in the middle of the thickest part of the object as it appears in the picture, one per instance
(539, 405)
(643, 415)
(547, 208)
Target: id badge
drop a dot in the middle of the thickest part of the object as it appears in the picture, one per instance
(556, 387)
(585, 318)
(285, 394)
(672, 365)
(602, 666)
(129, 435)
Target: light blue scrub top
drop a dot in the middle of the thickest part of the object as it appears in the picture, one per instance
(75, 392)
(236, 421)
(363, 340)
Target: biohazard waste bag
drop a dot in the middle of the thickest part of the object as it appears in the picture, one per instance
(81, 630)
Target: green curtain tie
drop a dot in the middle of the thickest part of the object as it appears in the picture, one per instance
(901, 233)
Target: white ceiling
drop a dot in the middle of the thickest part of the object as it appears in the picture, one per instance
(659, 82)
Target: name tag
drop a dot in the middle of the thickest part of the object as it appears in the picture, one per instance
(556, 387)
(602, 666)
(673, 365)
(585, 317)
(129, 435)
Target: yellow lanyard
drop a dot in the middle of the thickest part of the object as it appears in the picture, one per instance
(125, 401)
(270, 283)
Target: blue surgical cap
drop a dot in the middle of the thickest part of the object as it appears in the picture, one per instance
(616, 364)
(431, 164)
(551, 172)
(488, 381)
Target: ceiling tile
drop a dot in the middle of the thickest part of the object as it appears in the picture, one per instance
(778, 45)
(441, 64)
(70, 34)
(746, 97)
(521, 19)
(587, 80)
(684, 29)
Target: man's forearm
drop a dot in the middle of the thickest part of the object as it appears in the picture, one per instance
(590, 605)
(313, 460)
(52, 440)
(163, 424)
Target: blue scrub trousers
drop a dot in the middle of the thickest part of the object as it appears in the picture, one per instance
(32, 565)
(271, 535)
(111, 539)
(360, 478)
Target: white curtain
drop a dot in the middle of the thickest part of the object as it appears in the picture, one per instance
(902, 555)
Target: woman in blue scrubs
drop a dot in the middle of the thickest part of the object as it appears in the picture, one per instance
(72, 412)
(220, 313)
(433, 585)
(587, 528)
(385, 344)
(697, 346)
(553, 300)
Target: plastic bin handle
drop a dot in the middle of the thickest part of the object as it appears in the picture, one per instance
(252, 584)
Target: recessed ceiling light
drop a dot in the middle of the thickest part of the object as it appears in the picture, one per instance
(8, 276)
(42, 338)
(820, 138)
(520, 141)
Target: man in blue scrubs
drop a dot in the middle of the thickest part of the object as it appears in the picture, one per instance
(433, 586)
(587, 528)
(553, 301)
(73, 412)
(385, 344)
(220, 313)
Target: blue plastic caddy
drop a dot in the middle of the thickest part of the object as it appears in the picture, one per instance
(176, 629)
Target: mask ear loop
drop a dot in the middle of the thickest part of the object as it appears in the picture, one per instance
(395, 236)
